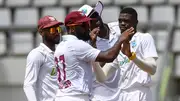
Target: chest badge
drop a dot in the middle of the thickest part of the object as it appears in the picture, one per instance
(53, 72)
(133, 44)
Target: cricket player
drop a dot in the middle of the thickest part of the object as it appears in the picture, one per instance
(136, 61)
(74, 55)
(40, 82)
(106, 38)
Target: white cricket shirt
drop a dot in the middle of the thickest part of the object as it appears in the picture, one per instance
(73, 58)
(132, 77)
(109, 87)
(40, 82)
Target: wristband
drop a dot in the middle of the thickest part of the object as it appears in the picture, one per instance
(133, 56)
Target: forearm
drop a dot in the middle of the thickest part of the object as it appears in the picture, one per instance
(30, 92)
(148, 65)
(102, 73)
(110, 54)
(114, 51)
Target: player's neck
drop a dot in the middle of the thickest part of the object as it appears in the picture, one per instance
(50, 45)
(133, 34)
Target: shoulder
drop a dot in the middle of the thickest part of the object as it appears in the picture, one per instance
(145, 39)
(35, 54)
(144, 36)
(74, 45)
(114, 28)
(113, 24)
(82, 45)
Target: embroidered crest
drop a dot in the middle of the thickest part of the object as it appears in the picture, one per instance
(52, 18)
(84, 11)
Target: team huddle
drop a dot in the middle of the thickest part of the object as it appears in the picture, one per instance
(93, 61)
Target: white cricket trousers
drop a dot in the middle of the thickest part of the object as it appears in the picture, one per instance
(136, 94)
(73, 98)
(141, 94)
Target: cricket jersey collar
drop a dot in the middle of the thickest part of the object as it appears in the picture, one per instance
(69, 37)
(46, 48)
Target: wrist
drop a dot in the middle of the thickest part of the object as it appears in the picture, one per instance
(133, 56)
(93, 44)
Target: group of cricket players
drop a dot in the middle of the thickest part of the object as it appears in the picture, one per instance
(91, 60)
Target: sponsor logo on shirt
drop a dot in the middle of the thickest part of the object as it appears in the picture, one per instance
(53, 72)
(123, 60)
(126, 60)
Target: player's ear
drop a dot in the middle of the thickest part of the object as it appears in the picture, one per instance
(137, 22)
(41, 32)
(72, 29)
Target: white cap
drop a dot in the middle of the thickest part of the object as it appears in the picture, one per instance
(86, 9)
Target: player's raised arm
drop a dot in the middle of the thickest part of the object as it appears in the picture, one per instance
(102, 73)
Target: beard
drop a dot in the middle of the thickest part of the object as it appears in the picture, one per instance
(54, 40)
(82, 36)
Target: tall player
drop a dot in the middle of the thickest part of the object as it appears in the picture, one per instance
(40, 82)
(106, 38)
(73, 57)
(136, 61)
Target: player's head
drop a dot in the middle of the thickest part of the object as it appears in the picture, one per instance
(49, 28)
(78, 24)
(93, 13)
(128, 18)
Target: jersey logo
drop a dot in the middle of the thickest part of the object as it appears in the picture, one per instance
(53, 72)
(133, 44)
(123, 60)
(126, 60)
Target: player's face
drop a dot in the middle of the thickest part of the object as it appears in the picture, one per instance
(125, 21)
(52, 34)
(82, 31)
(96, 22)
